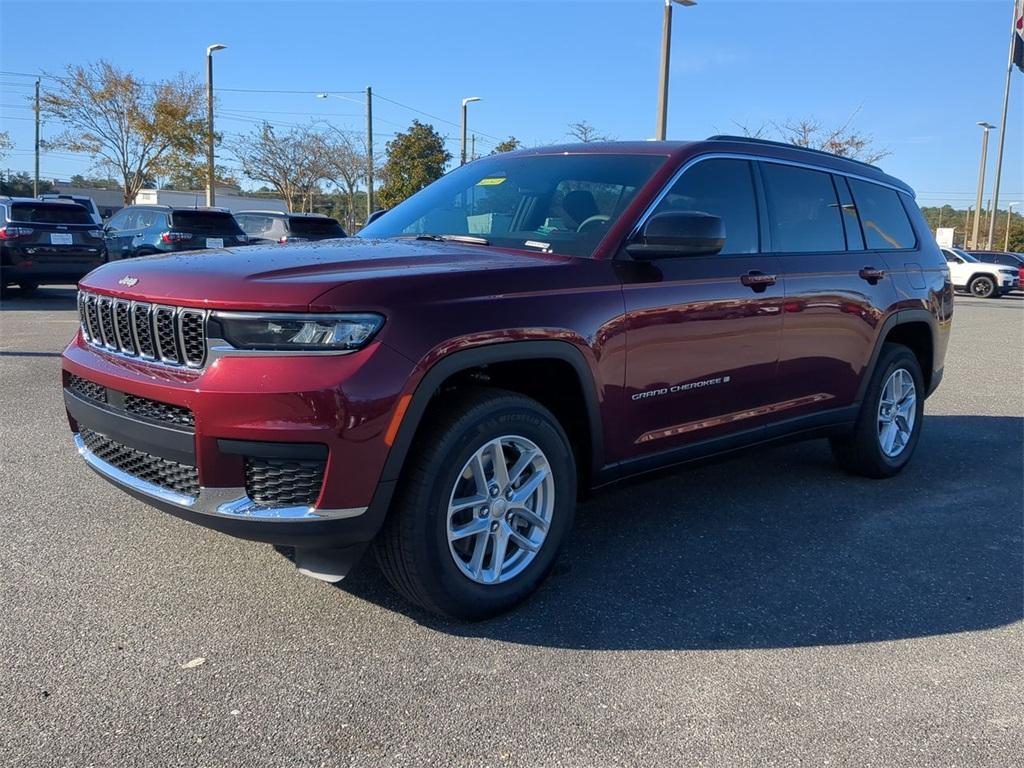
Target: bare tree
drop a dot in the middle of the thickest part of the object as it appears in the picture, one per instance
(345, 160)
(585, 132)
(139, 130)
(293, 163)
(844, 140)
(5, 144)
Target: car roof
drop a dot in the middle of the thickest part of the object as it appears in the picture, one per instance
(744, 145)
(293, 215)
(57, 200)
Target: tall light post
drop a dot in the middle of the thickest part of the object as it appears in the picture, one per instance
(985, 128)
(462, 153)
(1006, 105)
(666, 46)
(369, 144)
(211, 193)
(1009, 219)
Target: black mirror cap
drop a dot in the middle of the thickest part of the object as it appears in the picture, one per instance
(375, 215)
(678, 233)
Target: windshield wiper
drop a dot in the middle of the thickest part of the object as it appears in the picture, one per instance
(471, 239)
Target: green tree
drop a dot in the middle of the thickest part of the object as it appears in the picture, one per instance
(510, 144)
(95, 182)
(137, 129)
(20, 185)
(414, 159)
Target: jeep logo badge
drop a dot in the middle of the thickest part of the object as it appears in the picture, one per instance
(128, 280)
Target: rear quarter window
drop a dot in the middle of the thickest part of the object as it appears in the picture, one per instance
(50, 213)
(882, 217)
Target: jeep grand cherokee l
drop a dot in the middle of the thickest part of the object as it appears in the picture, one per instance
(47, 242)
(532, 325)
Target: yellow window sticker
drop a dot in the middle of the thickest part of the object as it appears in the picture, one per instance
(492, 181)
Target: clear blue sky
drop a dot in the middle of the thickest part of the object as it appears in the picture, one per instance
(920, 73)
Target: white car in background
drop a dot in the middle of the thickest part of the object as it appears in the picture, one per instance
(980, 278)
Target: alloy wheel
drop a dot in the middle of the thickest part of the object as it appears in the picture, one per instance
(897, 412)
(500, 509)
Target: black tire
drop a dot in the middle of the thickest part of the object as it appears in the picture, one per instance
(861, 453)
(983, 287)
(413, 549)
(28, 288)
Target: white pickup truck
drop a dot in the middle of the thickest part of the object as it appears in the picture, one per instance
(982, 279)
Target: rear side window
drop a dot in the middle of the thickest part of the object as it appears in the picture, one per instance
(882, 217)
(803, 211)
(205, 222)
(50, 213)
(305, 226)
(723, 188)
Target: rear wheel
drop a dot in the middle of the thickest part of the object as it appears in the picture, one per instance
(488, 498)
(984, 287)
(889, 423)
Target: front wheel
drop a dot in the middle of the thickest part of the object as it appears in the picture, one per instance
(889, 423)
(487, 500)
(983, 287)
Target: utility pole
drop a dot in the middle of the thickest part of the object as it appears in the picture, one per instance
(35, 183)
(666, 46)
(369, 152)
(1002, 136)
(211, 182)
(985, 127)
(1009, 215)
(472, 147)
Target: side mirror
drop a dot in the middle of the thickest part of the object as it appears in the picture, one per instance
(375, 215)
(678, 233)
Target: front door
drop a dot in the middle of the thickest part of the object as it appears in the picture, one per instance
(702, 332)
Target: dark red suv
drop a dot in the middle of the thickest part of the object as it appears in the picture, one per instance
(530, 326)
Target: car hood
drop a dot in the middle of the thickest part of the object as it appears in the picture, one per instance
(293, 276)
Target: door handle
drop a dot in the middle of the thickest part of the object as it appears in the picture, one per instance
(756, 280)
(871, 274)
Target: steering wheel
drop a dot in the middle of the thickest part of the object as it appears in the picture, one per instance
(598, 219)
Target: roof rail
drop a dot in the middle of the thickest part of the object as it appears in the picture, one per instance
(770, 143)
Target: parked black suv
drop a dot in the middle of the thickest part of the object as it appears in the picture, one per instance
(142, 230)
(288, 227)
(51, 241)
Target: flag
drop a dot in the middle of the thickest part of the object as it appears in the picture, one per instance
(1018, 37)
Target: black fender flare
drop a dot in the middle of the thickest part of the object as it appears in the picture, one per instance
(900, 317)
(499, 352)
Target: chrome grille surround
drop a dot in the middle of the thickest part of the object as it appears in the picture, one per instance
(173, 336)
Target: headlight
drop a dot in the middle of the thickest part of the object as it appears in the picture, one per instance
(284, 332)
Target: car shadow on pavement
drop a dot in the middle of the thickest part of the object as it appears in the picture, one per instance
(44, 299)
(780, 549)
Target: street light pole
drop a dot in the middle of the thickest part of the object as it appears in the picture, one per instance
(211, 193)
(1009, 218)
(666, 45)
(985, 127)
(1002, 136)
(462, 153)
(35, 182)
(369, 144)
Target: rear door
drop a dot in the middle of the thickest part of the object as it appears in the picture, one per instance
(702, 338)
(837, 289)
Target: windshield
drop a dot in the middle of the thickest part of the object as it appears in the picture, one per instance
(558, 203)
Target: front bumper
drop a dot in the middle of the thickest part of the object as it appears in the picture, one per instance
(245, 410)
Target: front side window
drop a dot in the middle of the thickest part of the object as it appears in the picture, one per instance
(723, 188)
(557, 203)
(118, 220)
(882, 216)
(803, 210)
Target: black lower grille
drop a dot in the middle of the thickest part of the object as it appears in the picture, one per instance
(168, 474)
(153, 409)
(283, 482)
(86, 388)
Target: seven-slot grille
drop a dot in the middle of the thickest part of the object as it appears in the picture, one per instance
(170, 335)
(168, 474)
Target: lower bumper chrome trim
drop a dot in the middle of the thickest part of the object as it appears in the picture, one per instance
(229, 503)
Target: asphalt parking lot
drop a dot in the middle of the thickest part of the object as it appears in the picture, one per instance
(769, 610)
